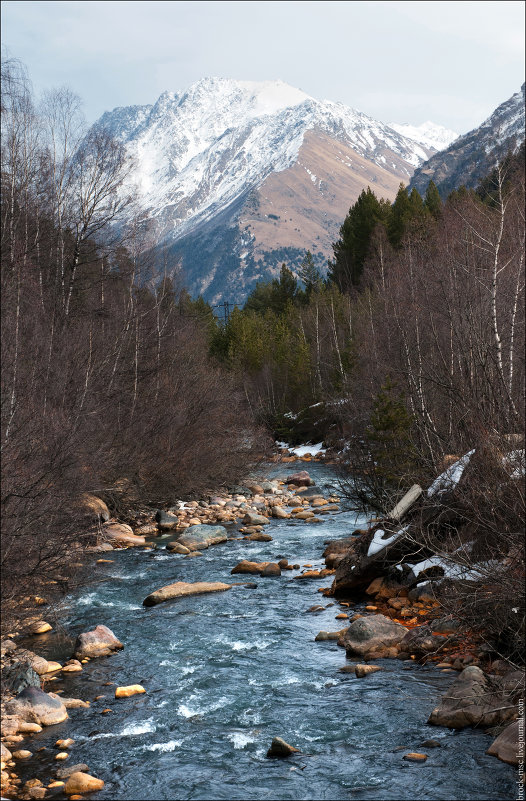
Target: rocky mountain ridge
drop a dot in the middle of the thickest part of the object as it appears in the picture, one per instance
(214, 164)
(472, 156)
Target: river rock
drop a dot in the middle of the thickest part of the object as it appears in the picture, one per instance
(74, 703)
(300, 479)
(181, 589)
(5, 753)
(40, 627)
(506, 746)
(79, 783)
(121, 534)
(131, 689)
(22, 754)
(421, 641)
(72, 666)
(7, 646)
(364, 670)
(245, 566)
(279, 513)
(253, 519)
(165, 520)
(279, 749)
(371, 634)
(474, 699)
(9, 725)
(323, 636)
(177, 547)
(415, 757)
(66, 772)
(67, 743)
(18, 671)
(258, 536)
(269, 487)
(197, 538)
(101, 641)
(147, 530)
(95, 507)
(271, 569)
(34, 705)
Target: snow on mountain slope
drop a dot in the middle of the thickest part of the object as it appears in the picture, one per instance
(428, 134)
(470, 157)
(197, 151)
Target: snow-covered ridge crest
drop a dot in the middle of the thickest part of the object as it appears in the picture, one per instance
(199, 150)
(428, 134)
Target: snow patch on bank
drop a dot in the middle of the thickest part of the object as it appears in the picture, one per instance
(449, 479)
(303, 450)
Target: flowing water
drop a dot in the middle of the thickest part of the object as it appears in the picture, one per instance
(227, 672)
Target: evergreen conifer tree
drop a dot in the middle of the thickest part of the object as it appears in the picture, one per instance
(433, 202)
(401, 214)
(353, 245)
(309, 274)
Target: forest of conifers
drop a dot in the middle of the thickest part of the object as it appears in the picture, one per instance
(115, 381)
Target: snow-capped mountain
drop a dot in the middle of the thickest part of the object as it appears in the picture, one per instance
(470, 157)
(249, 169)
(433, 136)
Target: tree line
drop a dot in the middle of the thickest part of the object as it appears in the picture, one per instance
(107, 385)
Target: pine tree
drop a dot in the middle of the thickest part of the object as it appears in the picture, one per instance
(352, 248)
(401, 214)
(310, 275)
(433, 202)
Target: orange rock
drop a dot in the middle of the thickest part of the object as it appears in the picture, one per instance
(126, 692)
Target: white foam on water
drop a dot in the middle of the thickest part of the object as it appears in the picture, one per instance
(238, 645)
(129, 731)
(240, 739)
(164, 747)
(250, 717)
(187, 670)
(189, 711)
(138, 728)
(87, 600)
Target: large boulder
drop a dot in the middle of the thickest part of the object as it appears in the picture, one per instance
(182, 589)
(165, 520)
(270, 570)
(253, 519)
(36, 706)
(506, 746)
(245, 566)
(101, 641)
(95, 506)
(197, 538)
(475, 699)
(121, 534)
(301, 479)
(371, 636)
(18, 670)
(279, 749)
(80, 783)
(421, 641)
(374, 554)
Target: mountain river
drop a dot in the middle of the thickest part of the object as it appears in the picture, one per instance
(225, 673)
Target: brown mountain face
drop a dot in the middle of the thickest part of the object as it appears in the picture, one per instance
(298, 209)
(304, 206)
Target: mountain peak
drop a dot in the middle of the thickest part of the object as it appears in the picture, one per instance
(427, 133)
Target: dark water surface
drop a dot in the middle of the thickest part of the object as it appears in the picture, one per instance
(227, 672)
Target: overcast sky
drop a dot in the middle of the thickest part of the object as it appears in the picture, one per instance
(449, 62)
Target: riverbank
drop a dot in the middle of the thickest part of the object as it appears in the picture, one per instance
(213, 565)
